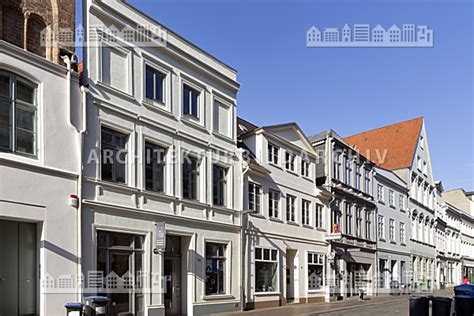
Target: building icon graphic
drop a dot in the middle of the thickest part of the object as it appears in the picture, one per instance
(331, 34)
(361, 32)
(346, 34)
(361, 35)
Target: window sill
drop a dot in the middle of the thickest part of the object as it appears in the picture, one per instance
(275, 165)
(292, 223)
(321, 229)
(293, 172)
(393, 242)
(308, 226)
(277, 220)
(162, 108)
(254, 214)
(316, 291)
(266, 293)
(193, 122)
(215, 297)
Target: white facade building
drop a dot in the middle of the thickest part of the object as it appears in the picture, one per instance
(167, 114)
(39, 168)
(285, 255)
(393, 229)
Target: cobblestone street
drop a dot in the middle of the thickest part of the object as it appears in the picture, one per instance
(380, 305)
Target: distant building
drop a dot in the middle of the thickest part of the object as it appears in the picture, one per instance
(409, 32)
(378, 34)
(346, 33)
(394, 34)
(331, 34)
(361, 32)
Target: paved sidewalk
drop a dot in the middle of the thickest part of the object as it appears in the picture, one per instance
(324, 308)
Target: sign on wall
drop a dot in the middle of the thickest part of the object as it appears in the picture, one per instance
(160, 236)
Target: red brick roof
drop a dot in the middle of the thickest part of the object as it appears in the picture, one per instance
(390, 147)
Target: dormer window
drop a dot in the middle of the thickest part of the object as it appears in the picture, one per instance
(422, 142)
(290, 161)
(273, 153)
(305, 168)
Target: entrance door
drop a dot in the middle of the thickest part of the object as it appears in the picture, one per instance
(172, 276)
(18, 268)
(290, 275)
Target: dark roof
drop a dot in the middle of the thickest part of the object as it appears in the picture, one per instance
(244, 126)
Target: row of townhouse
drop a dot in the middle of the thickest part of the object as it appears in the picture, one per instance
(136, 180)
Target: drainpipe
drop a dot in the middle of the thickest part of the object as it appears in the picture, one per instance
(69, 61)
(242, 238)
(82, 131)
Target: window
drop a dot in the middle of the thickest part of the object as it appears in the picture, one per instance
(391, 229)
(319, 216)
(348, 171)
(402, 234)
(315, 271)
(266, 270)
(422, 142)
(114, 155)
(304, 168)
(154, 167)
(219, 185)
(348, 219)
(215, 268)
(368, 225)
(401, 202)
(290, 161)
(155, 82)
(391, 198)
(358, 221)
(190, 178)
(255, 195)
(419, 163)
(305, 209)
(18, 115)
(273, 203)
(273, 153)
(336, 216)
(425, 168)
(337, 166)
(380, 196)
(190, 101)
(358, 177)
(381, 228)
(367, 182)
(221, 118)
(290, 208)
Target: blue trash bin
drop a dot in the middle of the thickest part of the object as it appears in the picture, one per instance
(74, 309)
(96, 305)
(464, 300)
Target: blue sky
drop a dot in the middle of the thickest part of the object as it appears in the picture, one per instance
(347, 89)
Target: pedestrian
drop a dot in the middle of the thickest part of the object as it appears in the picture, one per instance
(361, 294)
(465, 280)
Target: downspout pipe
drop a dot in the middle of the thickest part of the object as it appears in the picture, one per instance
(69, 61)
(244, 221)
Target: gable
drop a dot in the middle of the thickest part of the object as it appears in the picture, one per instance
(292, 134)
(391, 147)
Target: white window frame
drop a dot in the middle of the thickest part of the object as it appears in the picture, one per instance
(257, 197)
(274, 204)
(306, 212)
(229, 106)
(277, 261)
(318, 219)
(185, 80)
(305, 168)
(402, 233)
(273, 154)
(122, 48)
(290, 208)
(380, 193)
(391, 230)
(166, 71)
(290, 161)
(381, 227)
(391, 197)
(320, 262)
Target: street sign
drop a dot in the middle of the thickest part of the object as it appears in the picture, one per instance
(334, 236)
(353, 250)
(160, 235)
